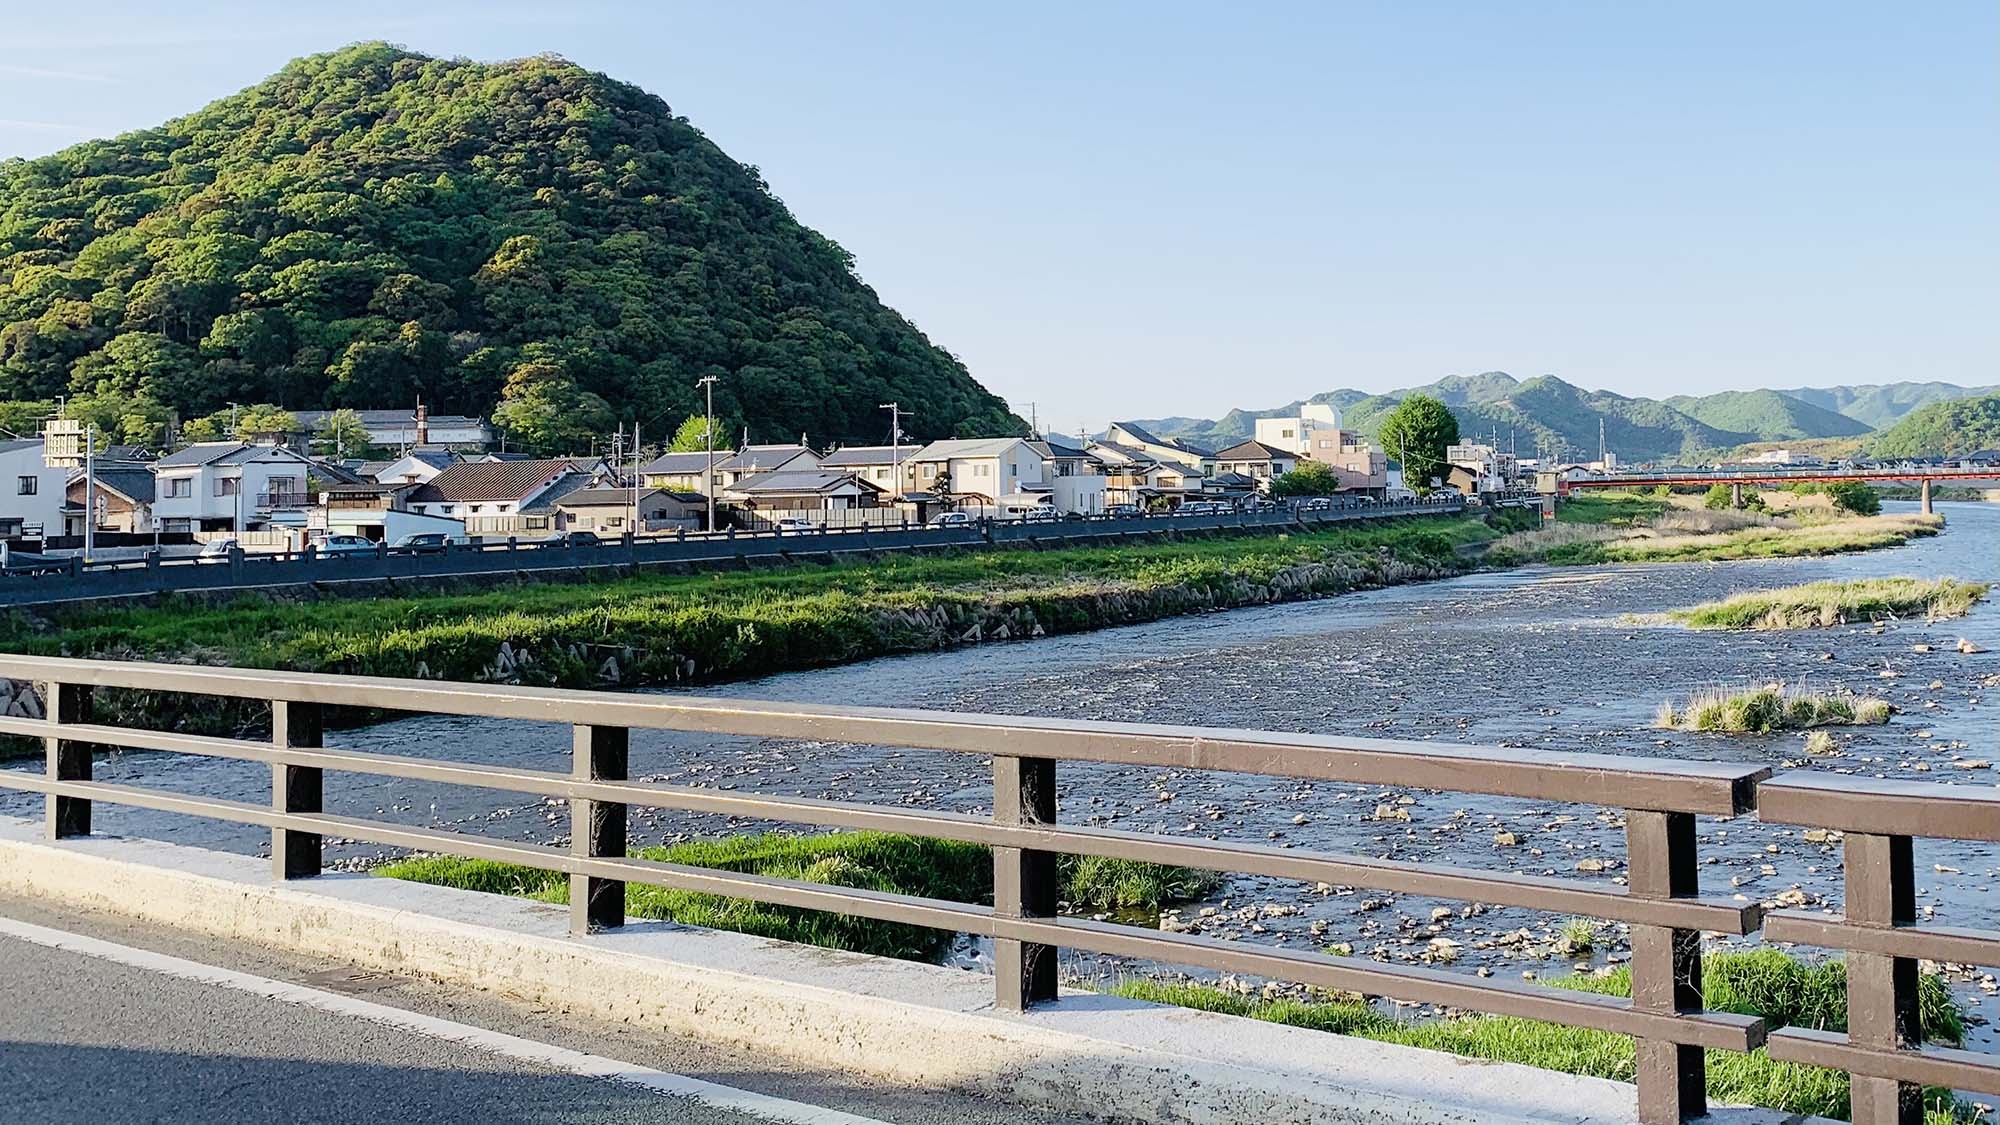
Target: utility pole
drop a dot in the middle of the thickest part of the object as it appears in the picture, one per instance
(1601, 467)
(707, 384)
(635, 478)
(89, 490)
(895, 449)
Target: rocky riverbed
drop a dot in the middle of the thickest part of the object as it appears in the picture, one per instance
(1537, 657)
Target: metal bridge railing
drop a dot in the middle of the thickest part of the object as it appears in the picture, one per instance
(1661, 902)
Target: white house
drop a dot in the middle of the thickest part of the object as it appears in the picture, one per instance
(414, 467)
(1177, 450)
(1478, 468)
(31, 493)
(1075, 485)
(501, 497)
(230, 486)
(876, 464)
(983, 476)
(1295, 434)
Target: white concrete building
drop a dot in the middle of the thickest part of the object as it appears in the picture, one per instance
(1295, 433)
(31, 493)
(230, 486)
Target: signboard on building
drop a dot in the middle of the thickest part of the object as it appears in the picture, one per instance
(63, 444)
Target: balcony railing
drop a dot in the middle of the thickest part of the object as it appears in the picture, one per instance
(269, 501)
(1661, 900)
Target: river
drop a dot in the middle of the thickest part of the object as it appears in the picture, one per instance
(1547, 657)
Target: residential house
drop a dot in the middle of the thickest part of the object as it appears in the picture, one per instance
(684, 472)
(1297, 433)
(983, 476)
(879, 465)
(398, 429)
(752, 460)
(1257, 461)
(378, 511)
(813, 494)
(609, 511)
(1177, 450)
(1132, 478)
(1359, 466)
(1476, 469)
(123, 498)
(504, 498)
(231, 486)
(32, 493)
(1070, 472)
(414, 467)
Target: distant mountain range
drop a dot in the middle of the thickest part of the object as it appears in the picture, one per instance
(1548, 416)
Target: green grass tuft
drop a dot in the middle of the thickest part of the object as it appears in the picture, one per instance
(1772, 707)
(1823, 604)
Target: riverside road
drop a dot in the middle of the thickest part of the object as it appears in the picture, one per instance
(107, 1022)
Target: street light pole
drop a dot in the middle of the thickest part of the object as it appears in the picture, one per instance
(895, 450)
(707, 384)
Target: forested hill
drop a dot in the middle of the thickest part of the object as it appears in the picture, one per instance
(372, 225)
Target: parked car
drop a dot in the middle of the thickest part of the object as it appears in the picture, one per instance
(1037, 515)
(572, 539)
(951, 519)
(791, 525)
(216, 549)
(1122, 510)
(422, 543)
(347, 545)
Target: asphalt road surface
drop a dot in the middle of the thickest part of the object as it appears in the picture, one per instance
(102, 1022)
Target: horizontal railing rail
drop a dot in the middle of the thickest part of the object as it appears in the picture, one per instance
(1883, 1046)
(1660, 900)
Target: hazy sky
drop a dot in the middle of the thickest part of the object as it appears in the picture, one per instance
(1129, 210)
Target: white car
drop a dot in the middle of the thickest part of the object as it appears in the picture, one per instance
(791, 525)
(952, 519)
(217, 549)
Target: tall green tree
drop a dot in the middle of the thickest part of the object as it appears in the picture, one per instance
(344, 435)
(692, 437)
(542, 409)
(1417, 433)
(1307, 478)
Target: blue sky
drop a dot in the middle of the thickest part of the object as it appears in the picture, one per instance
(1132, 210)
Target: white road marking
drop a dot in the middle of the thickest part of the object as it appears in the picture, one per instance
(479, 1038)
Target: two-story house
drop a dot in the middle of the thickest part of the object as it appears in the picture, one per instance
(1257, 461)
(685, 472)
(984, 476)
(752, 460)
(879, 465)
(31, 491)
(231, 486)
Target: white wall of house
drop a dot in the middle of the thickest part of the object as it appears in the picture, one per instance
(31, 493)
(235, 493)
(1083, 494)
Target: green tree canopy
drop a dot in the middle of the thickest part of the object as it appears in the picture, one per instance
(1417, 433)
(692, 436)
(344, 435)
(542, 409)
(1307, 478)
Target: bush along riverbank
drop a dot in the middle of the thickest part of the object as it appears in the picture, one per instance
(1771, 707)
(1821, 605)
(876, 861)
(680, 629)
(1784, 990)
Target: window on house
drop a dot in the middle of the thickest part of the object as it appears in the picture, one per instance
(227, 486)
(179, 488)
(28, 486)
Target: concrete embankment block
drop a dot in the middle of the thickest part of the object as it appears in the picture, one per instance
(894, 1021)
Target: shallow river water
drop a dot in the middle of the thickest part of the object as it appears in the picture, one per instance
(1533, 657)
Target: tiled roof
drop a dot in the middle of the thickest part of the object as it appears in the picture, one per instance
(807, 480)
(683, 463)
(134, 482)
(313, 419)
(762, 458)
(488, 480)
(608, 497)
(201, 453)
(867, 455)
(966, 447)
(1138, 432)
(1254, 451)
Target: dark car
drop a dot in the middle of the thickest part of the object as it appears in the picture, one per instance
(423, 543)
(572, 539)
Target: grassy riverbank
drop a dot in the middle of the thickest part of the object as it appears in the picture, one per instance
(877, 861)
(1645, 527)
(1785, 991)
(661, 628)
(1818, 605)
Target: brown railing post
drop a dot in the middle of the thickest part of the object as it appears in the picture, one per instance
(597, 828)
(1666, 965)
(1024, 881)
(1882, 989)
(296, 789)
(68, 761)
